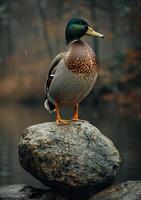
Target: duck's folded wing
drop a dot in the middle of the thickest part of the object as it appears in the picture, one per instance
(52, 70)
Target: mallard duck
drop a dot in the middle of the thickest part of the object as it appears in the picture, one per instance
(72, 73)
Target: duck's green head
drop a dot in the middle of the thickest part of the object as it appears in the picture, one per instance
(78, 27)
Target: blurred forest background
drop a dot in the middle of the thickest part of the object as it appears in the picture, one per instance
(32, 32)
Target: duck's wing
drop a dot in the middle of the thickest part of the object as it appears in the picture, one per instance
(52, 70)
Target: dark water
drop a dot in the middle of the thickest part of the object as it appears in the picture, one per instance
(121, 125)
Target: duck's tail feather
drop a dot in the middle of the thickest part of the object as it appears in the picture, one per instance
(49, 106)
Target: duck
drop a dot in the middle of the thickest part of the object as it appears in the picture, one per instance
(72, 73)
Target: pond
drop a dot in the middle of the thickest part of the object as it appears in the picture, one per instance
(121, 125)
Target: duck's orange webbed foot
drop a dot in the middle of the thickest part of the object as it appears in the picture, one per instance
(60, 121)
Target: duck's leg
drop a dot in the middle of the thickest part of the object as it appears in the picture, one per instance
(75, 113)
(59, 121)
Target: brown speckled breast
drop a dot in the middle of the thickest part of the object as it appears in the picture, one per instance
(81, 59)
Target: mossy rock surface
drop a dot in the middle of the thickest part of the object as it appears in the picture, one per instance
(74, 156)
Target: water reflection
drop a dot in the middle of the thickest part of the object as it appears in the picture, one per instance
(121, 125)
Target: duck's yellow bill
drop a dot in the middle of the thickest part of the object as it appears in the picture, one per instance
(91, 32)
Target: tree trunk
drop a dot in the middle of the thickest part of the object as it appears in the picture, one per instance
(94, 17)
(45, 32)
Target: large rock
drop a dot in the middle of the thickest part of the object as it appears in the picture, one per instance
(70, 156)
(130, 190)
